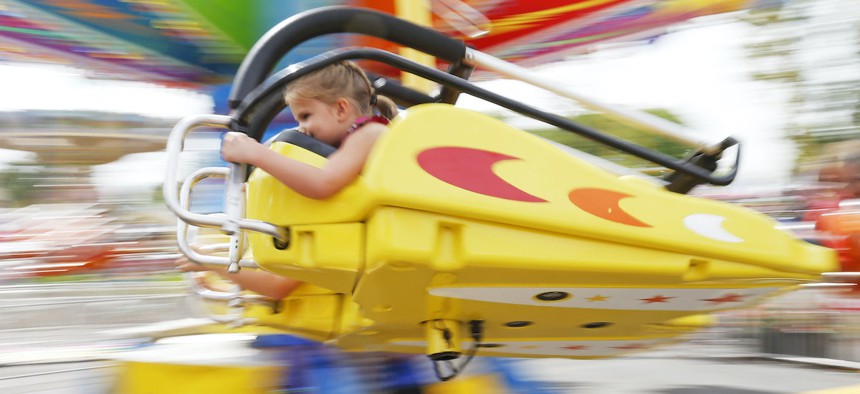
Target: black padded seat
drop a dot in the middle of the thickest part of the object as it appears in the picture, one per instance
(293, 136)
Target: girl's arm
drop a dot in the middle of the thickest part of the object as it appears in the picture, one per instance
(342, 168)
(261, 282)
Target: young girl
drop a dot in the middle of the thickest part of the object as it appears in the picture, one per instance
(336, 105)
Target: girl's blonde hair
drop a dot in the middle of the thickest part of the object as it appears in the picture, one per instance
(341, 80)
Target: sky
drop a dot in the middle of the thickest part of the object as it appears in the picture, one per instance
(698, 72)
(34, 86)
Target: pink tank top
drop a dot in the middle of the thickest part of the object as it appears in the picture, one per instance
(365, 120)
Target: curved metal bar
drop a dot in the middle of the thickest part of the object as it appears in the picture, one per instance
(235, 301)
(182, 226)
(215, 295)
(234, 310)
(285, 36)
(209, 294)
(401, 95)
(175, 144)
(212, 248)
(258, 104)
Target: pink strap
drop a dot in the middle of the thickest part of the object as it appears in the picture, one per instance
(365, 120)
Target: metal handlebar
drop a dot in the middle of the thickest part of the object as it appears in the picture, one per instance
(194, 254)
(232, 221)
(234, 301)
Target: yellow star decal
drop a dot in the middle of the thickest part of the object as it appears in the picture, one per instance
(597, 298)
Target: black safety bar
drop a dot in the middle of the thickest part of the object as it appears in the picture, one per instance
(449, 94)
(285, 36)
(402, 95)
(256, 110)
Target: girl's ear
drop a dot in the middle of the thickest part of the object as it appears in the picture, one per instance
(342, 108)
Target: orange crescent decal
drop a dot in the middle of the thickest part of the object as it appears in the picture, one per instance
(472, 170)
(604, 204)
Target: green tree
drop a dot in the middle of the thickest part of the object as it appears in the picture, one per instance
(811, 49)
(605, 124)
(19, 182)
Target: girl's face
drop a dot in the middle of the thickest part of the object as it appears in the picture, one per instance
(325, 122)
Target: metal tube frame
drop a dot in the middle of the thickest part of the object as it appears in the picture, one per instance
(185, 247)
(233, 221)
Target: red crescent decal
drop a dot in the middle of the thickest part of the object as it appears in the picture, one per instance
(604, 204)
(472, 170)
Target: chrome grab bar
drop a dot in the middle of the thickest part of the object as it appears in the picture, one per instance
(234, 301)
(232, 221)
(194, 254)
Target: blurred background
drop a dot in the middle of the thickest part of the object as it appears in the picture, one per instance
(91, 89)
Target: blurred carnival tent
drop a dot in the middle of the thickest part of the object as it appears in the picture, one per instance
(200, 43)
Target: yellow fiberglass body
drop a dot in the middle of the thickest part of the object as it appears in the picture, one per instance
(458, 217)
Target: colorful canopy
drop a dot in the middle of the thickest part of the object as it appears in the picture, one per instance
(201, 42)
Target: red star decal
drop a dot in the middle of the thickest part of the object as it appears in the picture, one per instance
(632, 346)
(656, 299)
(731, 297)
(576, 347)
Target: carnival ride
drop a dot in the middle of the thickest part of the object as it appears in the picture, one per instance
(198, 44)
(464, 235)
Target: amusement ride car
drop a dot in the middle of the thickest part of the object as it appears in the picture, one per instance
(464, 235)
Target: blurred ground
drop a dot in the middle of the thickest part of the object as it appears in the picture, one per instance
(56, 338)
(687, 369)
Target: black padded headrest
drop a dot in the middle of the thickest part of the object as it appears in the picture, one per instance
(293, 136)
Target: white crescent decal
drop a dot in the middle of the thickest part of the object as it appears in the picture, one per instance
(710, 226)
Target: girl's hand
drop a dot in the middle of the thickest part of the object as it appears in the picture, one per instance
(239, 148)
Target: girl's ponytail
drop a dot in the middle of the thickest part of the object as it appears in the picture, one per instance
(385, 106)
